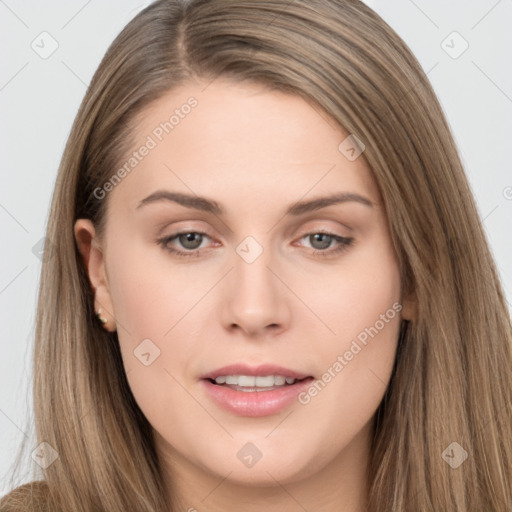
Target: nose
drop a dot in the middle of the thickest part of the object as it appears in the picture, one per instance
(256, 300)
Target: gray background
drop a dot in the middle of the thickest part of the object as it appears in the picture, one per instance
(39, 98)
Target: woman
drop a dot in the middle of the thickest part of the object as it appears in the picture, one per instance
(338, 338)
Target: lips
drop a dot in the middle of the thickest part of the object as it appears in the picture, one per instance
(248, 400)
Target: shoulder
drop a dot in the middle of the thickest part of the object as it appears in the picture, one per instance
(31, 497)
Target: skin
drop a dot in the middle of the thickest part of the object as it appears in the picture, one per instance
(255, 152)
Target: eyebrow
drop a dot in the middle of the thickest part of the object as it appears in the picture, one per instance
(211, 206)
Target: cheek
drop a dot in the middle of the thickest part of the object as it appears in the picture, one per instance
(151, 294)
(362, 307)
(355, 295)
(153, 303)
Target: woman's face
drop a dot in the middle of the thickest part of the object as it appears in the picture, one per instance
(251, 265)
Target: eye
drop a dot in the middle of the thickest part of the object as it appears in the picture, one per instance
(327, 244)
(189, 240)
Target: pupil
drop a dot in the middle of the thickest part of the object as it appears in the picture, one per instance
(324, 239)
(188, 242)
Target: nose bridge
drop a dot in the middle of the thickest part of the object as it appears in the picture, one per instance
(253, 279)
(255, 298)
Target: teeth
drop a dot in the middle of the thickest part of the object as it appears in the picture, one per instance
(252, 381)
(262, 382)
(247, 381)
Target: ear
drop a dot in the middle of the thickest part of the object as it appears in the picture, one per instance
(90, 249)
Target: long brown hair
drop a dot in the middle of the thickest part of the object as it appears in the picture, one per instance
(452, 381)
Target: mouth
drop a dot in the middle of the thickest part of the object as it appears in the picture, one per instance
(255, 384)
(254, 391)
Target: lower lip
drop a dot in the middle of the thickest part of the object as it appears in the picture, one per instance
(255, 403)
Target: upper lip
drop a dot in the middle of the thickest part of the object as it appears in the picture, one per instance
(262, 370)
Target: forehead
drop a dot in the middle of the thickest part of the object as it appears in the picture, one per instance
(238, 140)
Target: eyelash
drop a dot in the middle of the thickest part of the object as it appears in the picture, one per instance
(343, 244)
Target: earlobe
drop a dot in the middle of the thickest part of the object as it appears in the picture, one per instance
(91, 251)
